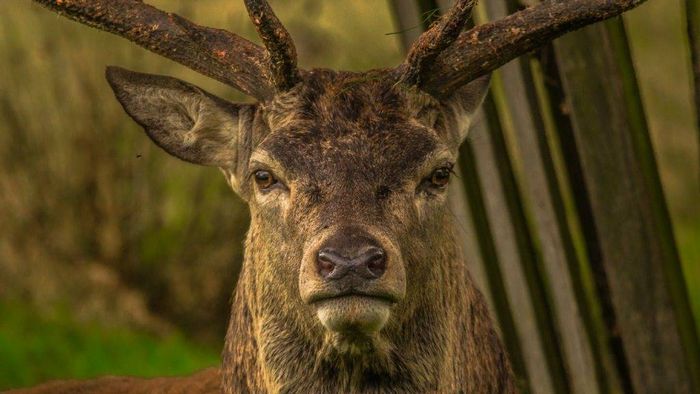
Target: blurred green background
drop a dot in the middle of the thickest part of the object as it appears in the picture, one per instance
(116, 258)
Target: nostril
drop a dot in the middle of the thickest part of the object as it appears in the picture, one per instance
(325, 262)
(375, 261)
(368, 264)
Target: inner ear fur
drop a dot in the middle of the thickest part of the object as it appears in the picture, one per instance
(184, 120)
(464, 102)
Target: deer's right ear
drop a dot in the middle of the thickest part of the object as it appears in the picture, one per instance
(464, 103)
(184, 120)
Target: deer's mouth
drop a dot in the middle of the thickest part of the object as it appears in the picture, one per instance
(380, 296)
(353, 311)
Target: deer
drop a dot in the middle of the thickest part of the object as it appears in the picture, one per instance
(353, 280)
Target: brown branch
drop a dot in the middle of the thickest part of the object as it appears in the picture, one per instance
(216, 53)
(435, 40)
(279, 44)
(487, 47)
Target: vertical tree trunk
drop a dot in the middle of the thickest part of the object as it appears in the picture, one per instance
(629, 216)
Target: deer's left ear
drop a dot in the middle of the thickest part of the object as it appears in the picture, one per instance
(463, 104)
(181, 118)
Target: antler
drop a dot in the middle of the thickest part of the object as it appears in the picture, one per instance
(435, 40)
(443, 58)
(486, 47)
(216, 53)
(279, 44)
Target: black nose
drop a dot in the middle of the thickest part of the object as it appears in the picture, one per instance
(368, 262)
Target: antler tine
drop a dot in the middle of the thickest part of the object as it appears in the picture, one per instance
(435, 40)
(216, 53)
(279, 44)
(486, 47)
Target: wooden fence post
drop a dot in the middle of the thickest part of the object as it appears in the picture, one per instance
(542, 196)
(631, 225)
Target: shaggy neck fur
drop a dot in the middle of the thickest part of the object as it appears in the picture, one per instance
(446, 344)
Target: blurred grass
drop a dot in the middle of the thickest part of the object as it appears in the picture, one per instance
(40, 349)
(97, 221)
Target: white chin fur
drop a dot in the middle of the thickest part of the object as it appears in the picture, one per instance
(354, 314)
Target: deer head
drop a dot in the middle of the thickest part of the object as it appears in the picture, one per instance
(345, 174)
(350, 247)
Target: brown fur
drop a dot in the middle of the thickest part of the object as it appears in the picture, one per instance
(204, 382)
(350, 151)
(340, 140)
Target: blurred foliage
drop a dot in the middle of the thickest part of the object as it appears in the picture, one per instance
(96, 220)
(40, 349)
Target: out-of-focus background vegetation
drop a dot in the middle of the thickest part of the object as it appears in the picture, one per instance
(116, 258)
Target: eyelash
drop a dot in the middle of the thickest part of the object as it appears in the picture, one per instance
(257, 177)
(430, 187)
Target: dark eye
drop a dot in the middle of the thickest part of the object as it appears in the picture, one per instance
(264, 179)
(440, 177)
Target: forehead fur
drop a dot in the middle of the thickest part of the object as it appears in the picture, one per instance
(359, 122)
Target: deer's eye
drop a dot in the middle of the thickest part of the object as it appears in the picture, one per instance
(264, 179)
(440, 177)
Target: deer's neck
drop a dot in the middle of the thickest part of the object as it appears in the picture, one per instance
(447, 345)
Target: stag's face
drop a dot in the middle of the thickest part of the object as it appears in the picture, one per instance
(346, 176)
(351, 172)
